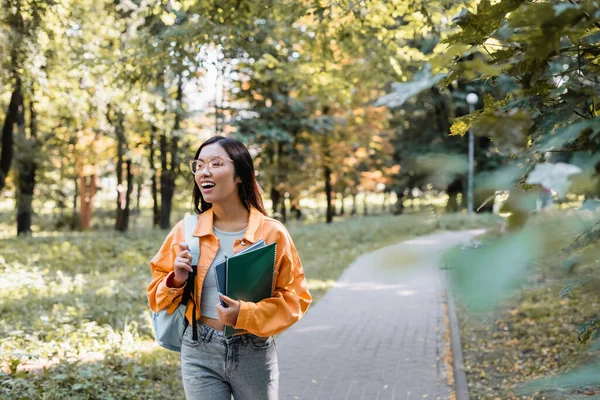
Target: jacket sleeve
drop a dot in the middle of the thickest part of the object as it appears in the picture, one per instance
(290, 300)
(161, 296)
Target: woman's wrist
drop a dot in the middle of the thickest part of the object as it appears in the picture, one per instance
(174, 283)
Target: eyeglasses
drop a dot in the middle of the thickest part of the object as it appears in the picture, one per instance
(213, 163)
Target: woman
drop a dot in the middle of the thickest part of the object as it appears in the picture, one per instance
(231, 217)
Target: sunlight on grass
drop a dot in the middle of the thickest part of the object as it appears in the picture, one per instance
(315, 284)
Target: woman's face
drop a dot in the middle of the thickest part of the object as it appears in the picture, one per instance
(219, 184)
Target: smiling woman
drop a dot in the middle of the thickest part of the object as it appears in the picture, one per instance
(227, 163)
(231, 216)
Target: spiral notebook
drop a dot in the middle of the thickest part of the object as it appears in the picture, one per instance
(249, 276)
(221, 269)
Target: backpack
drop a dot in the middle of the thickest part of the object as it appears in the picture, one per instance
(169, 328)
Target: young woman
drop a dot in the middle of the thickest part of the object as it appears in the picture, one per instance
(231, 216)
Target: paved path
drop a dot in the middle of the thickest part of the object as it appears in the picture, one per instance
(379, 333)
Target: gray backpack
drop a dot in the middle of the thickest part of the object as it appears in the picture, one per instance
(169, 328)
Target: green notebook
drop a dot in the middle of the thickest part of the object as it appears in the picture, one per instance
(250, 277)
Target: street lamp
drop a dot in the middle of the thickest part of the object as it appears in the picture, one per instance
(472, 99)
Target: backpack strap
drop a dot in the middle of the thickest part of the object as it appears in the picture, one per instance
(190, 222)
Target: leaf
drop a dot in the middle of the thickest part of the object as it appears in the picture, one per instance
(485, 275)
(508, 129)
(582, 376)
(568, 289)
(463, 17)
(503, 33)
(588, 329)
(593, 38)
(498, 179)
(440, 168)
(562, 7)
(566, 134)
(404, 91)
(590, 205)
(478, 67)
(476, 28)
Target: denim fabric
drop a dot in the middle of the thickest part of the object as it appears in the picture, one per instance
(215, 368)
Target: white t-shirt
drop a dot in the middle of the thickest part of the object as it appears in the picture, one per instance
(210, 296)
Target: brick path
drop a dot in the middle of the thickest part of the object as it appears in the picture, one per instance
(379, 333)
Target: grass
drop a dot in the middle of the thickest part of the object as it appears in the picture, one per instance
(534, 332)
(74, 307)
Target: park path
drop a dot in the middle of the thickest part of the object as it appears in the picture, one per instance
(380, 333)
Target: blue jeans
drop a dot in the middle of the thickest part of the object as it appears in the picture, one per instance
(215, 368)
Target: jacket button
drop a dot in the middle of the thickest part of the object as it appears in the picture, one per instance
(243, 242)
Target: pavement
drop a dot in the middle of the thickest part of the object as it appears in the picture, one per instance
(380, 333)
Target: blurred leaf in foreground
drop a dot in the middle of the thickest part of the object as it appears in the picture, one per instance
(483, 276)
(584, 376)
(441, 168)
(403, 91)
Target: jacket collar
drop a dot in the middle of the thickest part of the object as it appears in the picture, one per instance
(206, 220)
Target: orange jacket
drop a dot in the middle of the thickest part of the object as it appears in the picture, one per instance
(267, 317)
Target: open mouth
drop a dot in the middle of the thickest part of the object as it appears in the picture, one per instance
(205, 186)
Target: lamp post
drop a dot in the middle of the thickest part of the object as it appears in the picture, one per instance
(472, 99)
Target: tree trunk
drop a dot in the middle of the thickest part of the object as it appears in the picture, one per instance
(27, 169)
(128, 196)
(138, 193)
(154, 184)
(87, 189)
(167, 188)
(275, 193)
(452, 205)
(124, 196)
(365, 208)
(155, 207)
(295, 207)
(169, 173)
(453, 189)
(328, 187)
(354, 211)
(123, 191)
(386, 202)
(342, 212)
(327, 176)
(275, 197)
(334, 205)
(399, 209)
(283, 211)
(15, 115)
(74, 218)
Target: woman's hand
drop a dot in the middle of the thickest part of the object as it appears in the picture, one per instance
(182, 265)
(229, 315)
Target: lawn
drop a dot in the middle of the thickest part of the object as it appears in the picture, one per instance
(75, 322)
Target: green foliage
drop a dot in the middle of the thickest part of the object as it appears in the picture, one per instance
(401, 92)
(484, 276)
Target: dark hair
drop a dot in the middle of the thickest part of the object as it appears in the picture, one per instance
(248, 188)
